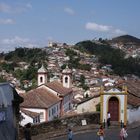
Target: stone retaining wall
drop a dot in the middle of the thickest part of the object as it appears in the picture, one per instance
(64, 123)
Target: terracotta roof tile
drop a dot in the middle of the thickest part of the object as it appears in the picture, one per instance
(133, 100)
(30, 113)
(58, 87)
(39, 98)
(133, 91)
(133, 87)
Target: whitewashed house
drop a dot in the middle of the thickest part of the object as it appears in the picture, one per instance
(123, 103)
(133, 107)
(49, 99)
(43, 102)
(88, 104)
(29, 117)
(114, 100)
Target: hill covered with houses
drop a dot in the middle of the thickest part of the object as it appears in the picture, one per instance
(97, 56)
(115, 57)
(92, 64)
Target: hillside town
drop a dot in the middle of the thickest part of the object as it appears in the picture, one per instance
(69, 70)
(64, 92)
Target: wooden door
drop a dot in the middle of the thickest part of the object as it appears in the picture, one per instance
(114, 108)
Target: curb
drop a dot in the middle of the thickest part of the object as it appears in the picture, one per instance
(63, 133)
(76, 130)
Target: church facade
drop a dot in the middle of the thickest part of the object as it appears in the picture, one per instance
(114, 101)
(49, 99)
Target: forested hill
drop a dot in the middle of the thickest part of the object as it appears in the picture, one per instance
(25, 54)
(126, 39)
(33, 58)
(108, 55)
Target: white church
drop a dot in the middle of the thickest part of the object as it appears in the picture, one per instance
(115, 102)
(49, 100)
(123, 104)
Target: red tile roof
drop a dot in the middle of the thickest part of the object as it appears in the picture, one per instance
(133, 87)
(134, 92)
(58, 87)
(39, 98)
(133, 100)
(30, 113)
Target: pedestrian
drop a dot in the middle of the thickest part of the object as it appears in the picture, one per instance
(27, 131)
(101, 133)
(70, 134)
(108, 119)
(123, 133)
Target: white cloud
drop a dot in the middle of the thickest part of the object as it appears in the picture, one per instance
(69, 11)
(5, 8)
(14, 9)
(103, 28)
(15, 41)
(7, 21)
(118, 31)
(9, 44)
(97, 27)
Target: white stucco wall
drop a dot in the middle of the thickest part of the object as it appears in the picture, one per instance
(66, 99)
(68, 84)
(26, 119)
(121, 106)
(67, 102)
(133, 115)
(44, 79)
(89, 106)
(51, 113)
(38, 111)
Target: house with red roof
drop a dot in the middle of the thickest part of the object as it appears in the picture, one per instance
(49, 100)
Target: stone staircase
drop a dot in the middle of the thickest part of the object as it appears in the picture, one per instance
(114, 124)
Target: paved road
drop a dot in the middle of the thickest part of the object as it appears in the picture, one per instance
(110, 134)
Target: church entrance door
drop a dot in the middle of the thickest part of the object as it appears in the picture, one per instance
(113, 108)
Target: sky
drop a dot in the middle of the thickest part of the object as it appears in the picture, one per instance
(33, 23)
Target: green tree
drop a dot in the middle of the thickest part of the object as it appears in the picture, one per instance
(82, 79)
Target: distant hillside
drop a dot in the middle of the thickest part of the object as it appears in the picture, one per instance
(108, 55)
(126, 39)
(26, 54)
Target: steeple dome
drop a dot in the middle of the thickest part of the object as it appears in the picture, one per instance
(67, 70)
(42, 69)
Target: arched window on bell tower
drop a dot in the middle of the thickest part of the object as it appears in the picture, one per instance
(66, 79)
(41, 79)
(42, 76)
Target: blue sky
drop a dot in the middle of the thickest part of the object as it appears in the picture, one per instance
(33, 22)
